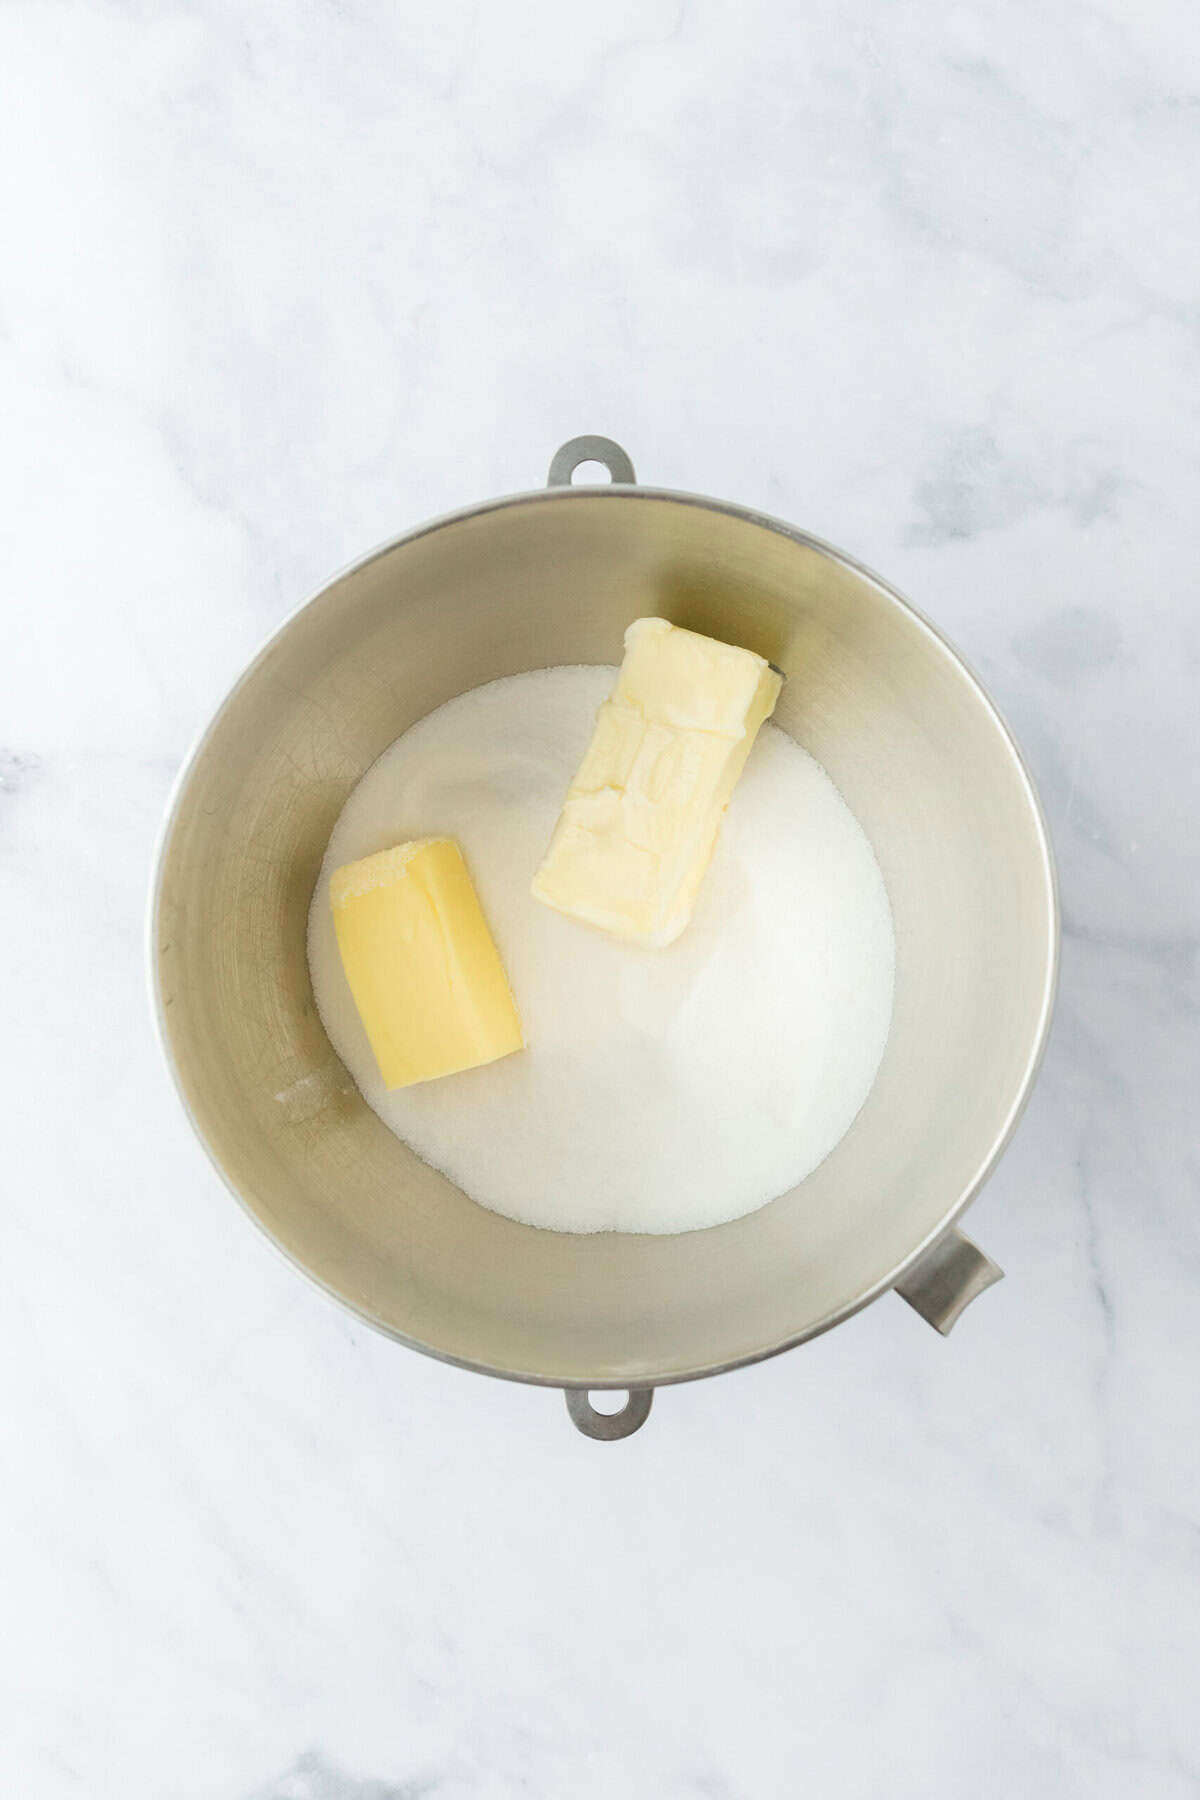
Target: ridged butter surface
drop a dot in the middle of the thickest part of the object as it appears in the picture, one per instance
(637, 829)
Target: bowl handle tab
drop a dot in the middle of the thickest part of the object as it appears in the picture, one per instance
(606, 1427)
(567, 459)
(943, 1282)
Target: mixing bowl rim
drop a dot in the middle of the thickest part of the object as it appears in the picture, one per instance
(561, 496)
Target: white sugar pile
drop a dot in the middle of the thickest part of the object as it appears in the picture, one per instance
(661, 1090)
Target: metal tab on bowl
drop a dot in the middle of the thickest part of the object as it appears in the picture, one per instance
(607, 1427)
(943, 1283)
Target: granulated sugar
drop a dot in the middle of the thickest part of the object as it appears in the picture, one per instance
(661, 1090)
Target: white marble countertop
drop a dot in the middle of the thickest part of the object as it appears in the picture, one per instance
(278, 282)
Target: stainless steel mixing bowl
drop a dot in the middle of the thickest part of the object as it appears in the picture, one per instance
(920, 755)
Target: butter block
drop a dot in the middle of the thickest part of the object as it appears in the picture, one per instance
(421, 963)
(641, 817)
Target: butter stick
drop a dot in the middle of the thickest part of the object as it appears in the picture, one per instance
(641, 817)
(421, 963)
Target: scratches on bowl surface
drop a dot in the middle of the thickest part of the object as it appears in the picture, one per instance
(310, 1094)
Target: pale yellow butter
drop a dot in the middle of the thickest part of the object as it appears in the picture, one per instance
(640, 820)
(421, 963)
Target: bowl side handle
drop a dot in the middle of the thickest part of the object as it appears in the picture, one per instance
(943, 1282)
(568, 457)
(607, 1427)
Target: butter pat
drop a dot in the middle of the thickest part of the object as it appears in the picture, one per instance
(421, 964)
(640, 820)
